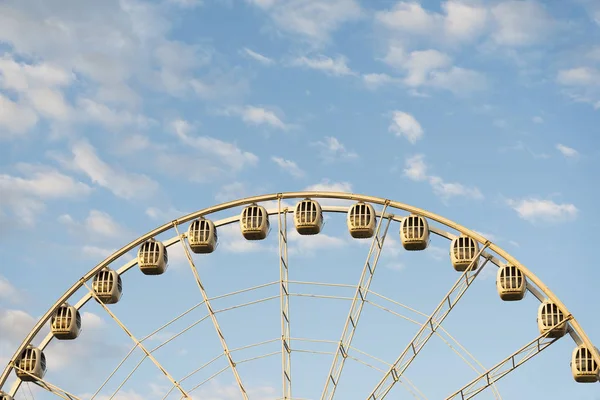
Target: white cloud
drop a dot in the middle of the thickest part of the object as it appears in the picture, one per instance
(510, 23)
(97, 252)
(538, 210)
(25, 196)
(231, 191)
(232, 241)
(8, 292)
(39, 92)
(261, 116)
(538, 120)
(253, 115)
(404, 124)
(227, 153)
(258, 57)
(311, 20)
(373, 81)
(164, 215)
(15, 118)
(581, 76)
(567, 151)
(328, 186)
(446, 190)
(122, 184)
(111, 117)
(332, 66)
(307, 245)
(433, 68)
(421, 63)
(521, 23)
(289, 166)
(582, 84)
(417, 170)
(97, 223)
(331, 149)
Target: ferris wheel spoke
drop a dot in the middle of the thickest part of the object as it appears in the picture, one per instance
(506, 366)
(284, 295)
(440, 333)
(356, 307)
(213, 317)
(428, 328)
(55, 390)
(137, 342)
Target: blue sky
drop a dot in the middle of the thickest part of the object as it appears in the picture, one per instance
(118, 116)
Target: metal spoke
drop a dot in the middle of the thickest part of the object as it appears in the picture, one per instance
(284, 294)
(137, 342)
(358, 302)
(427, 329)
(212, 313)
(506, 366)
(55, 390)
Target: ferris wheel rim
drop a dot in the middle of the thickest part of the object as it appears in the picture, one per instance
(581, 335)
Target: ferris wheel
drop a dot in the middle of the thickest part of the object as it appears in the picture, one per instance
(284, 358)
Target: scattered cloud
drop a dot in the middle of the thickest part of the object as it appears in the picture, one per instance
(508, 23)
(122, 184)
(8, 292)
(374, 81)
(331, 149)
(416, 170)
(289, 167)
(332, 66)
(521, 23)
(580, 76)
(567, 151)
(537, 210)
(96, 224)
(227, 153)
(434, 69)
(538, 120)
(582, 84)
(310, 20)
(404, 124)
(165, 215)
(252, 115)
(257, 56)
(308, 245)
(328, 186)
(25, 196)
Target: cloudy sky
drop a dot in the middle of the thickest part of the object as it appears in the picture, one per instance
(117, 116)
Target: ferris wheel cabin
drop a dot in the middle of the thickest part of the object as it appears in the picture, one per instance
(583, 366)
(108, 286)
(153, 258)
(414, 233)
(550, 320)
(4, 396)
(361, 220)
(254, 222)
(31, 365)
(463, 251)
(511, 283)
(202, 236)
(308, 217)
(66, 323)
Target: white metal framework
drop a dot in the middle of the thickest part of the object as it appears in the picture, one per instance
(469, 254)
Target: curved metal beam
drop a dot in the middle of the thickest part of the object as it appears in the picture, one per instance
(300, 195)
